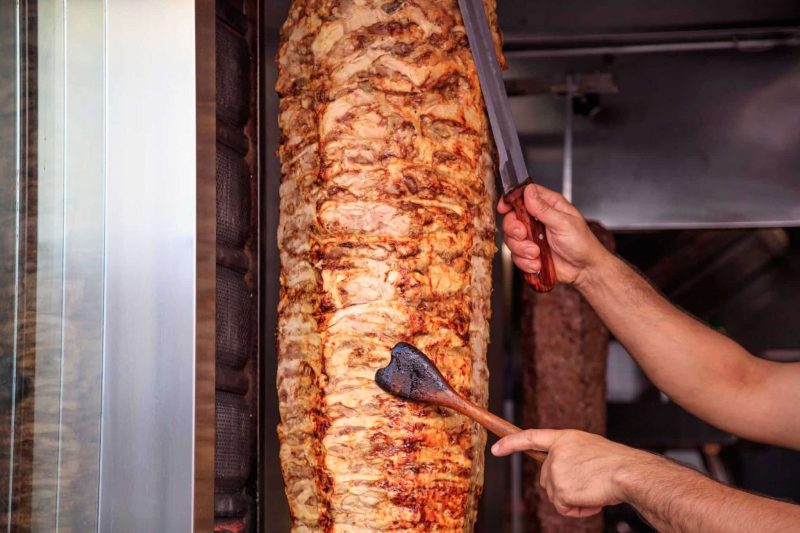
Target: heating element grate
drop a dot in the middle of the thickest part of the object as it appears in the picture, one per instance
(236, 327)
(237, 310)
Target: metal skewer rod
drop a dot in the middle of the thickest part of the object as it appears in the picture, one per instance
(566, 177)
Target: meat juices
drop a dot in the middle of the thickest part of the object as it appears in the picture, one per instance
(386, 234)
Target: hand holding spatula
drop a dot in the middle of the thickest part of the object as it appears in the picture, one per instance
(411, 375)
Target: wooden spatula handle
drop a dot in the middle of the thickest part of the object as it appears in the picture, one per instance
(545, 279)
(493, 423)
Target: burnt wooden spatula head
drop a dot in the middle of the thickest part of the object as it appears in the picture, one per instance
(411, 375)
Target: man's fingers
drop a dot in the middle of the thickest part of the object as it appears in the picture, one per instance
(543, 476)
(577, 512)
(503, 207)
(525, 249)
(513, 228)
(550, 490)
(525, 255)
(529, 439)
(563, 509)
(529, 266)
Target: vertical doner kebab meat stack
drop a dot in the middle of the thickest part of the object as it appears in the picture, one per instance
(386, 234)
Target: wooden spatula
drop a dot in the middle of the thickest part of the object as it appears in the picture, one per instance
(411, 375)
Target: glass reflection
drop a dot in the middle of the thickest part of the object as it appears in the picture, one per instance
(51, 263)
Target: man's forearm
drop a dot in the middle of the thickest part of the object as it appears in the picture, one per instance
(676, 499)
(699, 368)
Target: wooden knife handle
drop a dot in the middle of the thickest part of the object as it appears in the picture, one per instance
(493, 423)
(545, 279)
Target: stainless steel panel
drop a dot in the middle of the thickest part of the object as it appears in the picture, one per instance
(732, 43)
(51, 140)
(76, 239)
(521, 20)
(702, 139)
(156, 366)
(59, 214)
(9, 247)
(58, 182)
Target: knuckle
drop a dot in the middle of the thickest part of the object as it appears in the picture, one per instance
(512, 241)
(549, 490)
(560, 506)
(516, 247)
(523, 264)
(518, 258)
(544, 207)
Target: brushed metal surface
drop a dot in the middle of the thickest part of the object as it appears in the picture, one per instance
(158, 260)
(65, 388)
(699, 140)
(569, 19)
(81, 236)
(11, 251)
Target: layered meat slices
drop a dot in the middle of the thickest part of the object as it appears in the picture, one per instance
(386, 235)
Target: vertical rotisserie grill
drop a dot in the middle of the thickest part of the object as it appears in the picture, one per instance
(386, 234)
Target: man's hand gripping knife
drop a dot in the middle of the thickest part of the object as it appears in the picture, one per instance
(702, 370)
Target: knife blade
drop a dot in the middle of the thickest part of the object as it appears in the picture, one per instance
(511, 162)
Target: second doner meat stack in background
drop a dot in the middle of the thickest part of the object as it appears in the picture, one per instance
(386, 234)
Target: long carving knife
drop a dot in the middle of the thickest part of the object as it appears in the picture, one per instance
(513, 172)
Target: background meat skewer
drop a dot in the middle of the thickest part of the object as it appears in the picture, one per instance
(565, 348)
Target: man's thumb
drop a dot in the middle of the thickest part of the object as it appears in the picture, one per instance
(543, 207)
